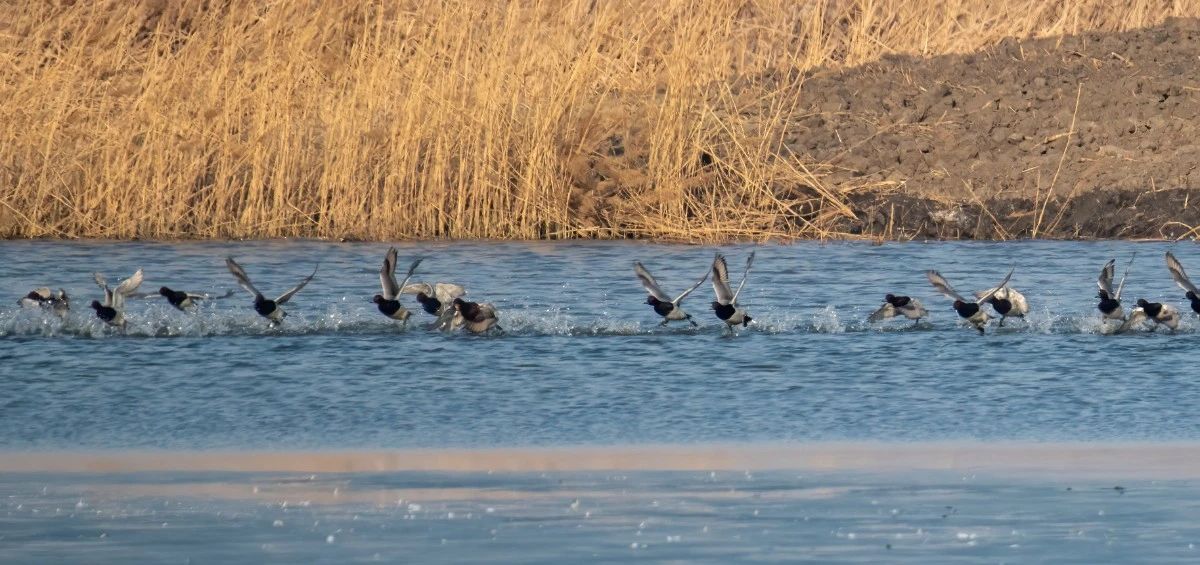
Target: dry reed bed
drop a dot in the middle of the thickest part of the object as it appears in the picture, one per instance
(459, 119)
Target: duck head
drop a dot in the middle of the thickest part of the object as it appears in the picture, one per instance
(378, 299)
(1190, 295)
(651, 300)
(1141, 302)
(889, 298)
(96, 305)
(164, 291)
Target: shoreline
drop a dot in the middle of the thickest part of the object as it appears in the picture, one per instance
(1145, 460)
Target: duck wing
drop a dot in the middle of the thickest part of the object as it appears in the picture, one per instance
(387, 275)
(127, 288)
(1179, 274)
(447, 292)
(720, 280)
(884, 312)
(939, 282)
(1136, 316)
(1106, 277)
(684, 294)
(283, 298)
(651, 284)
(103, 284)
(417, 288)
(412, 269)
(1121, 286)
(243, 280)
(983, 295)
(745, 275)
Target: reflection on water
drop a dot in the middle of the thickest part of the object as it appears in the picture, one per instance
(583, 360)
(580, 516)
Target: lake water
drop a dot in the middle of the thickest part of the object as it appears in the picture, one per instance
(583, 362)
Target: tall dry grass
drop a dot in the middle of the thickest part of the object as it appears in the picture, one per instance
(460, 118)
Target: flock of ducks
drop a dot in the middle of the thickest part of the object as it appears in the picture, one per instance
(442, 300)
(451, 311)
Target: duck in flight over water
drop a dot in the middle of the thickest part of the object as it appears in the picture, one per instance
(186, 301)
(1183, 281)
(1110, 300)
(387, 301)
(895, 305)
(967, 310)
(663, 304)
(1161, 314)
(725, 306)
(43, 297)
(112, 310)
(267, 308)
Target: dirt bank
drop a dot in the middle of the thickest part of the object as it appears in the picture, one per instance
(1089, 136)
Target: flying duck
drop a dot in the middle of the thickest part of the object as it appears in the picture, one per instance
(1005, 301)
(269, 309)
(969, 311)
(663, 304)
(1161, 314)
(43, 297)
(186, 301)
(476, 317)
(1183, 281)
(725, 306)
(112, 310)
(893, 306)
(437, 299)
(1110, 301)
(387, 301)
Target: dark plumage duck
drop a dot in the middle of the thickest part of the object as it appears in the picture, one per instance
(725, 306)
(475, 317)
(1183, 281)
(1110, 300)
(387, 301)
(970, 311)
(436, 299)
(112, 310)
(894, 305)
(1159, 313)
(43, 297)
(267, 308)
(663, 304)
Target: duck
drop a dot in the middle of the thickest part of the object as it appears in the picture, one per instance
(725, 306)
(664, 305)
(1005, 301)
(387, 301)
(1110, 300)
(895, 305)
(112, 310)
(435, 299)
(1183, 281)
(1161, 314)
(267, 308)
(475, 317)
(186, 301)
(969, 311)
(43, 297)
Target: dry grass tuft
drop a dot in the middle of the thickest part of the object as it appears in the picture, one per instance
(462, 119)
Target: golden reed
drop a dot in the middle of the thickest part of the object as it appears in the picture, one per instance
(449, 118)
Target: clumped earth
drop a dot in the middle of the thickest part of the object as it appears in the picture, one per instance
(1105, 125)
(1088, 136)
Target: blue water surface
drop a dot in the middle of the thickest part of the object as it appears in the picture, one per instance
(582, 360)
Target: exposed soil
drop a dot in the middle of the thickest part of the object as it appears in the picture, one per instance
(990, 129)
(1089, 136)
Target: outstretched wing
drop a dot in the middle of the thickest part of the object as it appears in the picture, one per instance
(126, 289)
(651, 284)
(1106, 277)
(745, 275)
(939, 282)
(417, 288)
(983, 296)
(283, 298)
(720, 280)
(1121, 286)
(387, 275)
(1136, 316)
(884, 312)
(103, 284)
(239, 274)
(411, 270)
(684, 294)
(1179, 274)
(447, 292)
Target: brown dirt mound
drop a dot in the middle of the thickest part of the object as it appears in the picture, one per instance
(1104, 126)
